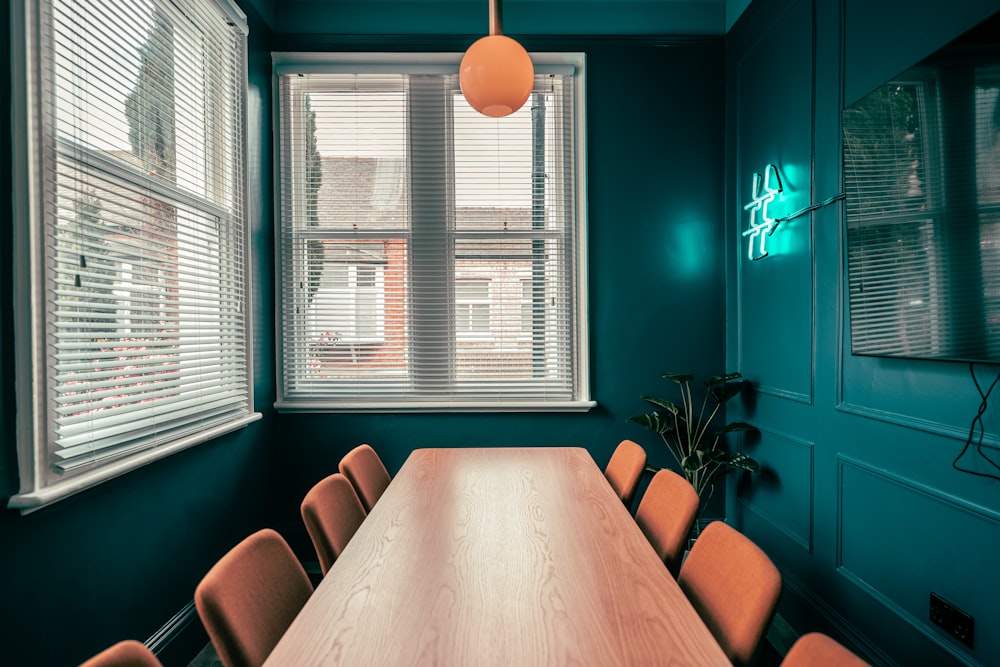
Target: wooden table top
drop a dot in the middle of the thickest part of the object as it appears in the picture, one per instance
(507, 556)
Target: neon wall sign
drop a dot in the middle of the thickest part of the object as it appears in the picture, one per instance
(761, 224)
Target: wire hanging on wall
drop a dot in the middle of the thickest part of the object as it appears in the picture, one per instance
(977, 423)
(808, 209)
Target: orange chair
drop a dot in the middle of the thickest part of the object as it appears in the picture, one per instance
(666, 513)
(624, 469)
(128, 653)
(367, 473)
(734, 586)
(817, 650)
(250, 597)
(332, 513)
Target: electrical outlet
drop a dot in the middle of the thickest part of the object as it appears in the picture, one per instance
(956, 622)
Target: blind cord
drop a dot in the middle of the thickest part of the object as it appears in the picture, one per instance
(977, 421)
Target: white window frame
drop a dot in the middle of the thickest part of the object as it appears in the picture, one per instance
(39, 486)
(443, 63)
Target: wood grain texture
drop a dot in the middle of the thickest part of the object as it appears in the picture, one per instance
(507, 556)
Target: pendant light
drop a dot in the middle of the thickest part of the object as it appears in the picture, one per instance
(496, 73)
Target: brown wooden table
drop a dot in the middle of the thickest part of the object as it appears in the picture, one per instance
(509, 556)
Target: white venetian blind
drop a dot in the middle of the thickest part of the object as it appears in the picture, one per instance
(143, 235)
(921, 165)
(429, 255)
(894, 198)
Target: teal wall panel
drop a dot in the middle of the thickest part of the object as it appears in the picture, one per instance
(774, 127)
(878, 544)
(786, 472)
(917, 399)
(891, 519)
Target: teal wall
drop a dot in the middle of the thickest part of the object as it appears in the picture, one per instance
(521, 18)
(121, 559)
(858, 503)
(655, 165)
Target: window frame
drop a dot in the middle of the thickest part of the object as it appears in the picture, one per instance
(447, 63)
(32, 147)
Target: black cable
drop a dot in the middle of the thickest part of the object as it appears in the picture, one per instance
(978, 421)
(807, 209)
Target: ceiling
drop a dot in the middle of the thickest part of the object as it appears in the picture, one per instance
(520, 17)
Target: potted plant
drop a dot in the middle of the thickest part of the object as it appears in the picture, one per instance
(699, 452)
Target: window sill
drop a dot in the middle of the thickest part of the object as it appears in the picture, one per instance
(433, 406)
(29, 501)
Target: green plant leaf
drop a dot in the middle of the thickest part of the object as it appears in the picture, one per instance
(701, 458)
(662, 403)
(719, 379)
(736, 460)
(727, 390)
(693, 462)
(738, 426)
(742, 461)
(724, 461)
(679, 378)
(657, 422)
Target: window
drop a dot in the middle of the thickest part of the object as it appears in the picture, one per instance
(430, 258)
(133, 338)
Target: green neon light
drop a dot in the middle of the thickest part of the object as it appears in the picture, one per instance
(761, 225)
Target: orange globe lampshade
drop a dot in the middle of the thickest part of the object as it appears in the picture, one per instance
(496, 75)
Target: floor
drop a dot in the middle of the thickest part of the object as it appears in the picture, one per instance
(206, 658)
(780, 637)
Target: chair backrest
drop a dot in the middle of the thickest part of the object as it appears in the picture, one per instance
(624, 469)
(128, 653)
(367, 473)
(332, 513)
(817, 650)
(734, 586)
(250, 597)
(666, 513)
